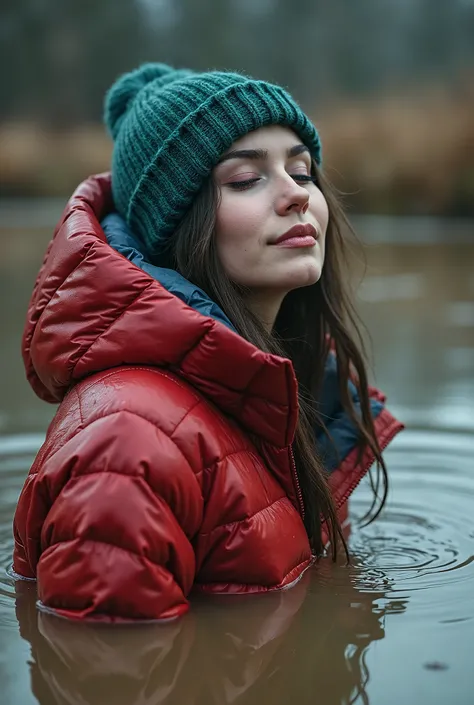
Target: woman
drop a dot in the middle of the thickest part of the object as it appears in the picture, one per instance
(201, 353)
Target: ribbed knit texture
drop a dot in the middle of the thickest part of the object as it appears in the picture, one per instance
(170, 127)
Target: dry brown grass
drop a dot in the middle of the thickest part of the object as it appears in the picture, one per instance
(403, 154)
(39, 162)
(411, 154)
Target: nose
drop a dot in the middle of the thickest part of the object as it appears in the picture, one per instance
(293, 198)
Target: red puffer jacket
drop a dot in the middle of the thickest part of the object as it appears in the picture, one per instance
(168, 464)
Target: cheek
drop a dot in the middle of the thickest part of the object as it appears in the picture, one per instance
(235, 216)
(237, 228)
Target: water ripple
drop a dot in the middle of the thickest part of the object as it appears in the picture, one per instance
(423, 543)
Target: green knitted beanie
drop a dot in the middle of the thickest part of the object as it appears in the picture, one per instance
(170, 128)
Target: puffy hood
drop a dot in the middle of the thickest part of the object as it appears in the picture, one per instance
(92, 309)
(122, 240)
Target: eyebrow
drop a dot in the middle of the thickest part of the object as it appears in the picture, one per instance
(261, 153)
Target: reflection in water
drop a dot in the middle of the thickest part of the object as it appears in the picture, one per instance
(298, 643)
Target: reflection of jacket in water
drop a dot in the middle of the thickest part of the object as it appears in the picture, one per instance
(169, 462)
(293, 645)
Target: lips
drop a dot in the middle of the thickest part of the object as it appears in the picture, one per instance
(302, 230)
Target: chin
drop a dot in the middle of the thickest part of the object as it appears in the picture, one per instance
(304, 275)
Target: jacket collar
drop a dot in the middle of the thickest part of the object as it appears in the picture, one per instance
(92, 309)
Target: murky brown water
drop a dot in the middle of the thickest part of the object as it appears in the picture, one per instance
(396, 627)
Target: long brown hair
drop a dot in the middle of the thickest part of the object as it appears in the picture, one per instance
(311, 320)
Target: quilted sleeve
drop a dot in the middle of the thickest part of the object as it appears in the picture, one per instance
(106, 524)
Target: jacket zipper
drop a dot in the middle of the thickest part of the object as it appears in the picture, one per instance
(366, 468)
(297, 482)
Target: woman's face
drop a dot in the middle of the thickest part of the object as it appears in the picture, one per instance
(266, 189)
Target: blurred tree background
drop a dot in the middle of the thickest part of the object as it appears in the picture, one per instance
(389, 83)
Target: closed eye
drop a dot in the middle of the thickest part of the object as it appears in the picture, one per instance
(243, 185)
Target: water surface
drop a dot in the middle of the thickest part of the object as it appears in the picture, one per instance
(397, 626)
